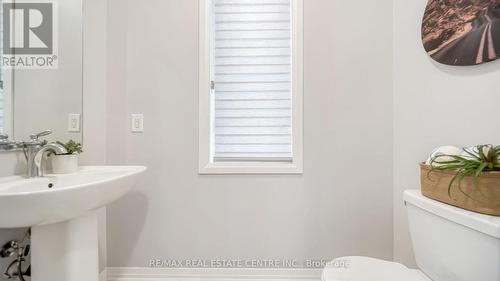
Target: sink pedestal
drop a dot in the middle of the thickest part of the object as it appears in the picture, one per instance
(66, 251)
(62, 213)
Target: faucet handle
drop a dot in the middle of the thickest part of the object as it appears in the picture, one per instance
(41, 134)
(4, 138)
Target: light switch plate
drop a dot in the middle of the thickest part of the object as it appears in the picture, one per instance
(74, 122)
(137, 123)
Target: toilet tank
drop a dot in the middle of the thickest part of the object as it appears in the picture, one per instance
(452, 244)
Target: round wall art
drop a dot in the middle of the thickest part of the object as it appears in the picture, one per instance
(462, 32)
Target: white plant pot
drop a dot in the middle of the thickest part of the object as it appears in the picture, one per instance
(64, 164)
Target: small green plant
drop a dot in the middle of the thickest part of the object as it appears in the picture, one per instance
(72, 147)
(473, 162)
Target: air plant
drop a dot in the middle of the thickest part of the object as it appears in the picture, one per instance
(473, 162)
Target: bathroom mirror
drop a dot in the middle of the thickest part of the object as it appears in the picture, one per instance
(41, 69)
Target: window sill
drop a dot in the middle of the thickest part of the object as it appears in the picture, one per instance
(245, 168)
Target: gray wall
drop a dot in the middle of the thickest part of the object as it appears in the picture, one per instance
(342, 205)
(434, 105)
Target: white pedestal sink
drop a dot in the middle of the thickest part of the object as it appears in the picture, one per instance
(61, 210)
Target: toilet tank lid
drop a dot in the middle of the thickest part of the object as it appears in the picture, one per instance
(486, 224)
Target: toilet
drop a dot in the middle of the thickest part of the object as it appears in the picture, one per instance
(450, 244)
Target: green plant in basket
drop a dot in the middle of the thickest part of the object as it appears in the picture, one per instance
(473, 162)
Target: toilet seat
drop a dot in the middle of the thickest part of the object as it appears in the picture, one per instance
(369, 269)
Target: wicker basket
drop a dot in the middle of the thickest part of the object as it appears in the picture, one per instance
(484, 199)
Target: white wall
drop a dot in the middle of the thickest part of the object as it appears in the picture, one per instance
(342, 205)
(94, 98)
(433, 105)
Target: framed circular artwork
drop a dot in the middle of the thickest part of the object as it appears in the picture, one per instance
(462, 32)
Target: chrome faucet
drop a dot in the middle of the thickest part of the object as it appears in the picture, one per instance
(34, 150)
(52, 147)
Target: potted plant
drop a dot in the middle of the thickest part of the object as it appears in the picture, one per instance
(66, 163)
(470, 180)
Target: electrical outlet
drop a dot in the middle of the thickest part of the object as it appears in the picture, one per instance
(137, 123)
(74, 121)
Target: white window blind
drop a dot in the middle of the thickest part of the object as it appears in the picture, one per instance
(252, 74)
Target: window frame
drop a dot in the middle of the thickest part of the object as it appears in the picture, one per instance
(206, 163)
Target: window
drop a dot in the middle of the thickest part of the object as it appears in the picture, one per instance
(250, 86)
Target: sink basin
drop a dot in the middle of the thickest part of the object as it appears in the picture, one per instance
(56, 198)
(62, 213)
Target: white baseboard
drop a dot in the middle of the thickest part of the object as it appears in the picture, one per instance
(103, 275)
(211, 274)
